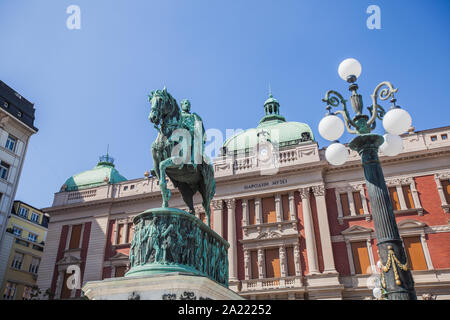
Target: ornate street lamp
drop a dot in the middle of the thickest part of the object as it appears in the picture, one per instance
(396, 278)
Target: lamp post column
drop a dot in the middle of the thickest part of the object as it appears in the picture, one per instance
(396, 275)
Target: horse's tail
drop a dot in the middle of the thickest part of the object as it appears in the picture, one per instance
(209, 191)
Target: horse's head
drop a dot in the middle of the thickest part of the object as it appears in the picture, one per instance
(163, 106)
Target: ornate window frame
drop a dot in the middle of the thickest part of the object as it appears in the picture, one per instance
(438, 177)
(410, 227)
(399, 182)
(356, 234)
(349, 189)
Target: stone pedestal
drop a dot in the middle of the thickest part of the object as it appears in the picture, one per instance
(173, 255)
(168, 286)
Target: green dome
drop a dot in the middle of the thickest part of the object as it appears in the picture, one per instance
(274, 127)
(102, 174)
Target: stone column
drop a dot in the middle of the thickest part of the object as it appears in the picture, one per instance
(309, 232)
(126, 232)
(324, 229)
(292, 211)
(218, 216)
(247, 264)
(350, 257)
(261, 264)
(297, 261)
(258, 211)
(401, 197)
(283, 263)
(232, 251)
(116, 230)
(278, 208)
(371, 257)
(244, 212)
(351, 203)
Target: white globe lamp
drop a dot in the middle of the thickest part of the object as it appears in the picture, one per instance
(392, 145)
(348, 68)
(336, 154)
(331, 127)
(377, 293)
(397, 121)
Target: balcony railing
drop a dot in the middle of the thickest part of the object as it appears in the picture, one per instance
(271, 283)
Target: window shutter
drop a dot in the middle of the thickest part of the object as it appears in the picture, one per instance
(254, 264)
(358, 203)
(75, 237)
(130, 232)
(408, 197)
(272, 263)
(251, 211)
(290, 261)
(446, 188)
(394, 198)
(416, 258)
(361, 257)
(344, 204)
(269, 214)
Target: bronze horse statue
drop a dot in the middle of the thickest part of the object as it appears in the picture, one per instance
(189, 176)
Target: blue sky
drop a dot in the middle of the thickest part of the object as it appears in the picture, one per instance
(90, 85)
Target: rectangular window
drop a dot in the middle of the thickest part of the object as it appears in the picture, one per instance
(75, 236)
(120, 271)
(268, 208)
(394, 198)
(285, 206)
(10, 291)
(17, 261)
(34, 265)
(408, 197)
(344, 204)
(130, 233)
(4, 169)
(23, 212)
(27, 293)
(290, 261)
(251, 212)
(32, 237)
(272, 263)
(433, 138)
(361, 257)
(254, 264)
(11, 143)
(17, 231)
(34, 217)
(414, 251)
(444, 136)
(358, 203)
(446, 188)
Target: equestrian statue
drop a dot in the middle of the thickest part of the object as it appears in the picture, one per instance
(178, 151)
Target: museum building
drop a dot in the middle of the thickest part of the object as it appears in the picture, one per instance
(298, 227)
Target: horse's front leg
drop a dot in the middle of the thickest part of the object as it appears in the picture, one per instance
(166, 194)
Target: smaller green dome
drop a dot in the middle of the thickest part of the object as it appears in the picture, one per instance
(273, 126)
(103, 173)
